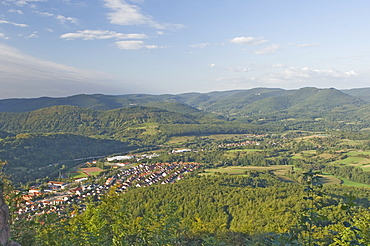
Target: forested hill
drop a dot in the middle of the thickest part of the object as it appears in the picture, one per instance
(86, 121)
(240, 102)
(363, 93)
(98, 114)
(305, 101)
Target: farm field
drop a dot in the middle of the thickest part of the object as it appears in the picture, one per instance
(352, 183)
(183, 139)
(84, 172)
(244, 150)
(278, 170)
(329, 179)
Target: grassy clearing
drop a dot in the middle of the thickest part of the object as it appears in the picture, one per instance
(351, 142)
(244, 150)
(366, 168)
(309, 152)
(182, 139)
(352, 183)
(243, 169)
(327, 155)
(77, 175)
(357, 153)
(94, 173)
(351, 160)
(329, 179)
(224, 136)
(150, 128)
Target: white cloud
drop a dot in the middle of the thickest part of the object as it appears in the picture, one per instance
(307, 45)
(252, 41)
(268, 50)
(25, 2)
(136, 45)
(26, 76)
(152, 47)
(201, 45)
(21, 3)
(309, 73)
(128, 15)
(101, 34)
(351, 73)
(64, 19)
(130, 45)
(45, 14)
(16, 11)
(279, 75)
(33, 35)
(13, 23)
(233, 69)
(239, 69)
(61, 18)
(3, 36)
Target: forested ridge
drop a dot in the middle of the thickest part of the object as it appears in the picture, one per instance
(35, 156)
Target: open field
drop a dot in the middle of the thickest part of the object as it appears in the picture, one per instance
(244, 150)
(279, 170)
(352, 183)
(183, 139)
(224, 136)
(77, 175)
(91, 169)
(329, 179)
(366, 168)
(351, 160)
(150, 128)
(84, 172)
(357, 153)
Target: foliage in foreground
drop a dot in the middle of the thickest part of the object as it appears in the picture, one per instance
(213, 210)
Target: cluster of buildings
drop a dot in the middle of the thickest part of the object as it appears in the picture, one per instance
(245, 143)
(131, 157)
(60, 197)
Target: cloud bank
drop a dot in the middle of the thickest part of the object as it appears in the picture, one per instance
(26, 76)
(101, 34)
(126, 14)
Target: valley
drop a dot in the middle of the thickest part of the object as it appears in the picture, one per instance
(227, 167)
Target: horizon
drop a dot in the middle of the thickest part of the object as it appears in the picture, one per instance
(159, 94)
(64, 48)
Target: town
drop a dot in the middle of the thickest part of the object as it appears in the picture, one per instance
(65, 198)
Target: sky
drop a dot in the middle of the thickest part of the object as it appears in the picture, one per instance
(59, 48)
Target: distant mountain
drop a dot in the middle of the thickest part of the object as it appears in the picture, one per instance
(232, 104)
(108, 102)
(363, 93)
(303, 102)
(235, 104)
(174, 106)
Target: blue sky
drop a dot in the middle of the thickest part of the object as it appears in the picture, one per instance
(65, 47)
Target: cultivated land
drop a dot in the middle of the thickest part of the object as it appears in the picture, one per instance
(279, 170)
